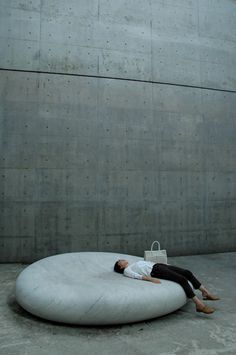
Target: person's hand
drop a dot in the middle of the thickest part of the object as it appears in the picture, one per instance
(151, 279)
(156, 281)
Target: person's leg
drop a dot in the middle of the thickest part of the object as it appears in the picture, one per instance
(163, 271)
(195, 282)
(188, 274)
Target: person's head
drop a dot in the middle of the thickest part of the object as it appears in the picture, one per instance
(120, 266)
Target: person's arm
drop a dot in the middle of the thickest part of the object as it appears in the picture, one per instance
(134, 275)
(151, 279)
(130, 273)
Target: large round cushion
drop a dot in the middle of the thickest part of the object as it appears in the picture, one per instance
(82, 288)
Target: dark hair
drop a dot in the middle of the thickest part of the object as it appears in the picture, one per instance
(118, 269)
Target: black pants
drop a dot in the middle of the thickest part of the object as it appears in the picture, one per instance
(176, 274)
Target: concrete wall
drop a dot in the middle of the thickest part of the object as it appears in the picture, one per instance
(117, 123)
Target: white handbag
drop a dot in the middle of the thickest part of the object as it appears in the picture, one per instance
(156, 256)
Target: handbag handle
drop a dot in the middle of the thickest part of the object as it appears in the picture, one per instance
(156, 241)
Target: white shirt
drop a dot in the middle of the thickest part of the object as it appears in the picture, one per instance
(139, 269)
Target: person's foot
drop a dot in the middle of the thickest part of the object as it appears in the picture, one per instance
(209, 297)
(205, 309)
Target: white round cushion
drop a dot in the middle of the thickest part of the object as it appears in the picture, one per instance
(82, 288)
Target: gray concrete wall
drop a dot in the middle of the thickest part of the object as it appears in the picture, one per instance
(118, 126)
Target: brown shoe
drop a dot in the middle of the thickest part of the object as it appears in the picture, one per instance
(206, 310)
(210, 298)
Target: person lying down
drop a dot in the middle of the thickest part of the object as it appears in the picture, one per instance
(149, 271)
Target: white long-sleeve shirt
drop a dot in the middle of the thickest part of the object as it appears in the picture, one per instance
(139, 269)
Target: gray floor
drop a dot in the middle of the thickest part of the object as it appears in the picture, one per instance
(182, 332)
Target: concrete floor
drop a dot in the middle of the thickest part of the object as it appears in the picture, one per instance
(182, 332)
